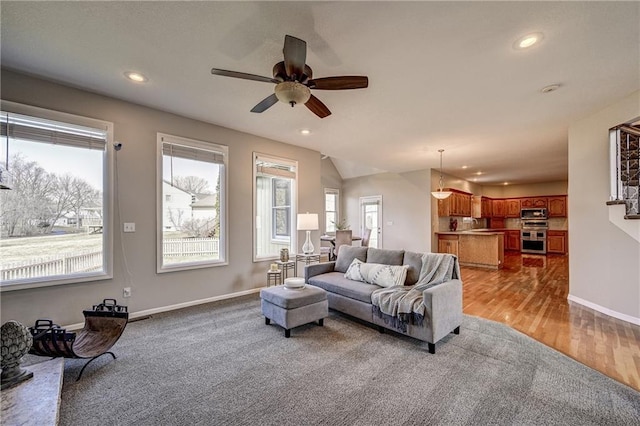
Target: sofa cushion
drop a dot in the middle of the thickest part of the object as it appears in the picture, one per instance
(414, 262)
(384, 256)
(346, 254)
(376, 273)
(335, 282)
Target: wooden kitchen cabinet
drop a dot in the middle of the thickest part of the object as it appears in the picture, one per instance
(557, 206)
(497, 208)
(557, 242)
(512, 207)
(512, 240)
(480, 207)
(457, 204)
(448, 244)
(532, 202)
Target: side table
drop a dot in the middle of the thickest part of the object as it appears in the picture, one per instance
(308, 258)
(286, 266)
(274, 277)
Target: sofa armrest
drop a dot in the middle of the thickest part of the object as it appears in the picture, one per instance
(317, 269)
(443, 303)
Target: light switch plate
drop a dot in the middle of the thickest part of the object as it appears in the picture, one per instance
(129, 227)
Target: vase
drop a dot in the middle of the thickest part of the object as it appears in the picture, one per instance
(284, 255)
(16, 341)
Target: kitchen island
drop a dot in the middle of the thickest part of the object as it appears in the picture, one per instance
(480, 248)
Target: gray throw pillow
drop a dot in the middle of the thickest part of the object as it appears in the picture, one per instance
(384, 256)
(414, 261)
(346, 254)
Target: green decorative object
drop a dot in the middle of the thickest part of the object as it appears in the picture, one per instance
(16, 341)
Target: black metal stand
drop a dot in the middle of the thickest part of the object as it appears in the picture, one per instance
(88, 362)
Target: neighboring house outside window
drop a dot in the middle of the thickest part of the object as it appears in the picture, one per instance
(55, 213)
(275, 182)
(191, 203)
(331, 208)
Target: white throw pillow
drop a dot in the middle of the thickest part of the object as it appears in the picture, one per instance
(375, 273)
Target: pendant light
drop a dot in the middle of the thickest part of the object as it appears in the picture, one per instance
(440, 194)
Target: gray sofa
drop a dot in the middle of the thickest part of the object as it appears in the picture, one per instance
(443, 302)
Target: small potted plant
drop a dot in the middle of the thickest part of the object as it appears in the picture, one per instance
(342, 225)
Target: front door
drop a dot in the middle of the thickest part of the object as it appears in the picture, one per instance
(371, 218)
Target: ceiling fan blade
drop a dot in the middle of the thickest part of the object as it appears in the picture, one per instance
(317, 107)
(265, 103)
(339, 83)
(243, 75)
(295, 56)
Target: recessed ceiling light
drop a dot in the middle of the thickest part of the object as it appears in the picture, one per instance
(506, 183)
(478, 173)
(464, 167)
(305, 131)
(136, 77)
(550, 88)
(528, 40)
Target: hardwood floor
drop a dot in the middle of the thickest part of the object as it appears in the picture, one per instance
(530, 295)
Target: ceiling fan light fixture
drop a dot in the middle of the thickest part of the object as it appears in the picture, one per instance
(441, 194)
(292, 92)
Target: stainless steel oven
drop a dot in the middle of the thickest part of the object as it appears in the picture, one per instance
(538, 213)
(533, 240)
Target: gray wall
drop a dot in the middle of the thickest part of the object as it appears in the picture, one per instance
(406, 203)
(136, 127)
(604, 266)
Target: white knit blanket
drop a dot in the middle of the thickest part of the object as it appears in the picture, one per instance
(402, 305)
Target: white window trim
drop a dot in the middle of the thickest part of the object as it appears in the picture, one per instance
(224, 240)
(294, 203)
(107, 198)
(337, 194)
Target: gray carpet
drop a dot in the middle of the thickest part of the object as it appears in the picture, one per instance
(219, 364)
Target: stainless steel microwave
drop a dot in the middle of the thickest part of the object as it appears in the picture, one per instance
(534, 213)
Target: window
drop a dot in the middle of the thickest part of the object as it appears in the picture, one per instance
(191, 203)
(55, 208)
(331, 217)
(281, 209)
(274, 205)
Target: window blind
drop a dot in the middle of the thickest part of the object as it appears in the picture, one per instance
(18, 126)
(172, 149)
(265, 167)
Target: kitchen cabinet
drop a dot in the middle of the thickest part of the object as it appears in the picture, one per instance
(448, 244)
(496, 223)
(512, 207)
(557, 206)
(557, 242)
(532, 202)
(481, 207)
(512, 240)
(497, 208)
(457, 204)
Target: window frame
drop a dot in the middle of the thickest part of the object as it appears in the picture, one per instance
(287, 208)
(293, 240)
(224, 240)
(107, 198)
(336, 193)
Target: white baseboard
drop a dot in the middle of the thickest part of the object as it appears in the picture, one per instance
(606, 311)
(147, 312)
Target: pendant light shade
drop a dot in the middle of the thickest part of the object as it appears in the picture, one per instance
(440, 194)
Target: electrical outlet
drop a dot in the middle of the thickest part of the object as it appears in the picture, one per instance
(126, 292)
(129, 227)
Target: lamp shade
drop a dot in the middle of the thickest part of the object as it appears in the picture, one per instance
(307, 221)
(292, 92)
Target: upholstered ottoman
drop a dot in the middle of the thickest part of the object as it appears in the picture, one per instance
(291, 308)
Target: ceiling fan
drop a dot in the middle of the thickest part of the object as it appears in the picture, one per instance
(294, 80)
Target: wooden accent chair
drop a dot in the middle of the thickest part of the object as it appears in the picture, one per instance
(366, 237)
(343, 238)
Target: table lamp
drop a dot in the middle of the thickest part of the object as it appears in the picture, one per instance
(307, 222)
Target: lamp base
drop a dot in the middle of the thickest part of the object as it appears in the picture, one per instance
(307, 247)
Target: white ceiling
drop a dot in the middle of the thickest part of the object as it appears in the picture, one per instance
(441, 74)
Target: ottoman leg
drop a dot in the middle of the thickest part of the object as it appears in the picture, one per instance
(321, 322)
(287, 333)
(267, 321)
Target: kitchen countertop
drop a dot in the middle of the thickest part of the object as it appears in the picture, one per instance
(472, 232)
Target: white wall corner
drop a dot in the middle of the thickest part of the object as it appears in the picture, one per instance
(629, 226)
(602, 309)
